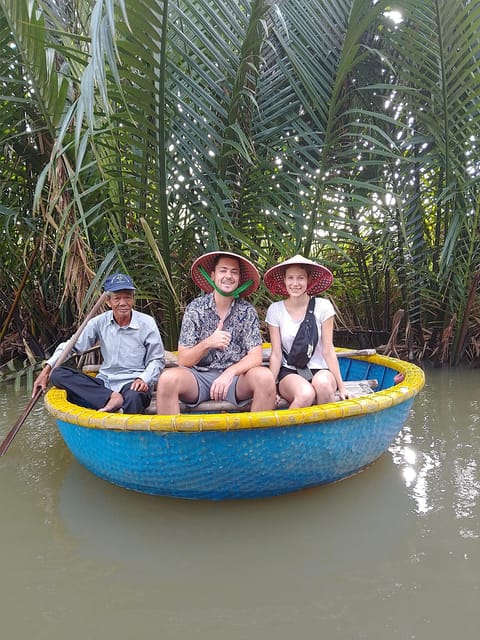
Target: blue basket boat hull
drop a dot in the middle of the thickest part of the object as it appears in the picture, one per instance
(243, 455)
(218, 465)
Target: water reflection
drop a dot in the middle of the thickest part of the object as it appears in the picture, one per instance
(210, 536)
(440, 466)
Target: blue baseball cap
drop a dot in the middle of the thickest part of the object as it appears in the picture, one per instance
(118, 282)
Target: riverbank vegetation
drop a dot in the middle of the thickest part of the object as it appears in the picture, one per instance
(138, 135)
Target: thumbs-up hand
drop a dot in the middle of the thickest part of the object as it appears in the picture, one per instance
(220, 339)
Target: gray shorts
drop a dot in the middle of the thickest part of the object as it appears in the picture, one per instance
(205, 380)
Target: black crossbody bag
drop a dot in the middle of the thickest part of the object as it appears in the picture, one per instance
(304, 343)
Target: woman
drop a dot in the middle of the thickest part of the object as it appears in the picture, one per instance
(297, 279)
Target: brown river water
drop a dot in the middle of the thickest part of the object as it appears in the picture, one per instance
(393, 552)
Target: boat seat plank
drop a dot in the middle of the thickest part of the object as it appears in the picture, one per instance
(355, 388)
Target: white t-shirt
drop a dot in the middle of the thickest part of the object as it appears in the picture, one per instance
(278, 316)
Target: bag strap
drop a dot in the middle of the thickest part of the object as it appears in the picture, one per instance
(311, 305)
(310, 309)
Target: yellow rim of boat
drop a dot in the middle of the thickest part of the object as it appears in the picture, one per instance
(413, 382)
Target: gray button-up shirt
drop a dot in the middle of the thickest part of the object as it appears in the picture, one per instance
(135, 351)
(201, 319)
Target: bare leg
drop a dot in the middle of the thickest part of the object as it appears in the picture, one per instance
(114, 403)
(258, 383)
(325, 386)
(173, 384)
(297, 391)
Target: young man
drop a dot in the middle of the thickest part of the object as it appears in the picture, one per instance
(132, 351)
(220, 345)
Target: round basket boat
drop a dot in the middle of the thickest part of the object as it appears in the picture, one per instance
(244, 455)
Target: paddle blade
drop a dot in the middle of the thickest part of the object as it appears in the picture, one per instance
(16, 427)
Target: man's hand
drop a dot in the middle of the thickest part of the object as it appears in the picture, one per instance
(220, 386)
(219, 339)
(139, 385)
(41, 381)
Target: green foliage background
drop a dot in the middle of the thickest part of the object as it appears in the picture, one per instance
(138, 135)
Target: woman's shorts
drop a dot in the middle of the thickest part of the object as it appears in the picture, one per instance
(286, 371)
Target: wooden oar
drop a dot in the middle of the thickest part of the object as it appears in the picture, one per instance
(63, 356)
(356, 352)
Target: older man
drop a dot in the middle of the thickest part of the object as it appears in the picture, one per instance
(220, 345)
(132, 352)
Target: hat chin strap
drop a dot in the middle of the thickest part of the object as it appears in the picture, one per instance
(234, 294)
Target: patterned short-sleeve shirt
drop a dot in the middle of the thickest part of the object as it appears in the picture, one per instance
(201, 319)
